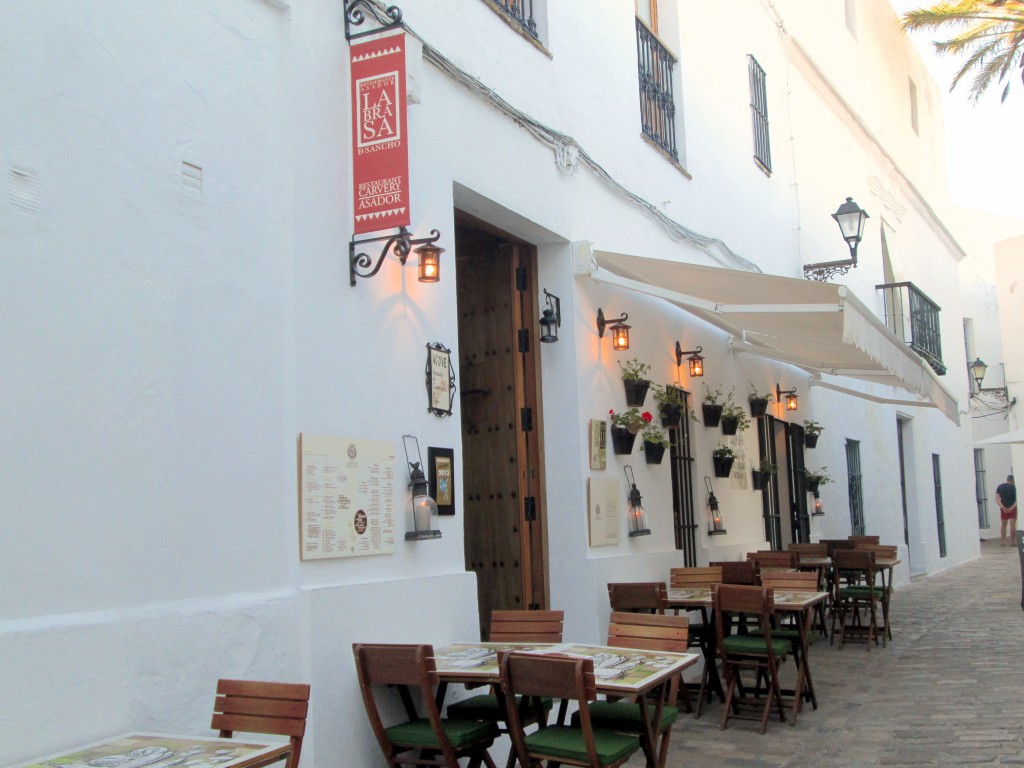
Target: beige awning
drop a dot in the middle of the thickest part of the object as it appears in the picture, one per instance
(819, 327)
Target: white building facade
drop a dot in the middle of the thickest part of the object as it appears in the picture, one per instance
(178, 311)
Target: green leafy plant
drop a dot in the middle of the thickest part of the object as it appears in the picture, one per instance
(812, 427)
(755, 395)
(730, 410)
(723, 450)
(631, 419)
(652, 433)
(712, 396)
(634, 370)
(767, 466)
(668, 395)
(820, 476)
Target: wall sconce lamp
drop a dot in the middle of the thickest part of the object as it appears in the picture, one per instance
(423, 508)
(978, 369)
(620, 331)
(850, 217)
(716, 526)
(551, 318)
(637, 516)
(789, 394)
(695, 360)
(359, 264)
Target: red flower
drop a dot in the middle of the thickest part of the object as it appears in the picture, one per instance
(611, 411)
(647, 417)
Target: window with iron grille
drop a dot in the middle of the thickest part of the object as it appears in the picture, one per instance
(940, 517)
(520, 12)
(657, 105)
(759, 114)
(855, 488)
(681, 456)
(979, 487)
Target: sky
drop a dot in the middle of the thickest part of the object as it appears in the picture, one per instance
(985, 169)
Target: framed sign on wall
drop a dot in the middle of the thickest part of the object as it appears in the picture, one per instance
(440, 379)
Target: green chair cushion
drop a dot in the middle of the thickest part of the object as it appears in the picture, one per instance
(562, 741)
(419, 733)
(860, 593)
(486, 707)
(625, 716)
(786, 634)
(752, 645)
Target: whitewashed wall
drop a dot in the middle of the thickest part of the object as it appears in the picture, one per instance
(164, 348)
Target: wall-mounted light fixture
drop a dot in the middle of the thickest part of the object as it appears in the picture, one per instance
(551, 318)
(619, 329)
(789, 394)
(850, 217)
(423, 522)
(363, 265)
(978, 369)
(695, 360)
(637, 516)
(716, 526)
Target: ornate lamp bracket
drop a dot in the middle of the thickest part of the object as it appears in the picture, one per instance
(354, 17)
(362, 264)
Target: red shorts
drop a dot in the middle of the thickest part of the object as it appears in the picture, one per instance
(1008, 514)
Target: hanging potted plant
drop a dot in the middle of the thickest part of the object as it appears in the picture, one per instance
(811, 431)
(758, 401)
(655, 443)
(625, 427)
(712, 406)
(815, 478)
(671, 402)
(734, 418)
(723, 457)
(635, 381)
(762, 474)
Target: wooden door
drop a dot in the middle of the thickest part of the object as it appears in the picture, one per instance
(502, 487)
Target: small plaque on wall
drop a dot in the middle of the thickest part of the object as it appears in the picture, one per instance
(598, 444)
(603, 511)
(440, 379)
(441, 472)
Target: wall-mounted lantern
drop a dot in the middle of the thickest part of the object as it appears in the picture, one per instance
(696, 362)
(850, 217)
(819, 508)
(619, 329)
(716, 526)
(789, 395)
(637, 516)
(423, 510)
(551, 318)
(365, 266)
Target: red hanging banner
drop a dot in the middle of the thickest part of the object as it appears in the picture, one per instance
(380, 152)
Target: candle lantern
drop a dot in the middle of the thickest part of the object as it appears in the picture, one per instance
(422, 522)
(637, 516)
(716, 526)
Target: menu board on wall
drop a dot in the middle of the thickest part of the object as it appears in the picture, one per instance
(346, 497)
(603, 511)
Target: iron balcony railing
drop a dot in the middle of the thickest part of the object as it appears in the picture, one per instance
(520, 11)
(914, 318)
(657, 107)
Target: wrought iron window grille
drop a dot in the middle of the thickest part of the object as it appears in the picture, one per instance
(519, 11)
(657, 106)
(759, 114)
(914, 318)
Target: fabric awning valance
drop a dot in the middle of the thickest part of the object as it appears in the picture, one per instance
(819, 327)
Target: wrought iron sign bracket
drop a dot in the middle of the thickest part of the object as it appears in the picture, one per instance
(826, 270)
(359, 263)
(354, 17)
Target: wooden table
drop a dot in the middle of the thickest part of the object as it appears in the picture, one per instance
(800, 603)
(617, 671)
(149, 750)
(883, 565)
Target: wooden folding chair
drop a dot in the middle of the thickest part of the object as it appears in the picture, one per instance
(250, 706)
(648, 633)
(638, 596)
(854, 591)
(758, 652)
(513, 626)
(419, 739)
(743, 572)
(858, 540)
(535, 676)
(884, 552)
(778, 560)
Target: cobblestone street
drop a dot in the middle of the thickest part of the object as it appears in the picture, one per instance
(948, 690)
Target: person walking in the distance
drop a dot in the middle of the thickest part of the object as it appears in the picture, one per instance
(1006, 496)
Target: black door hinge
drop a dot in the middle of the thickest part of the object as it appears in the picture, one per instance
(524, 340)
(526, 419)
(530, 509)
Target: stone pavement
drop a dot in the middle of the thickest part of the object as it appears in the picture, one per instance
(948, 690)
